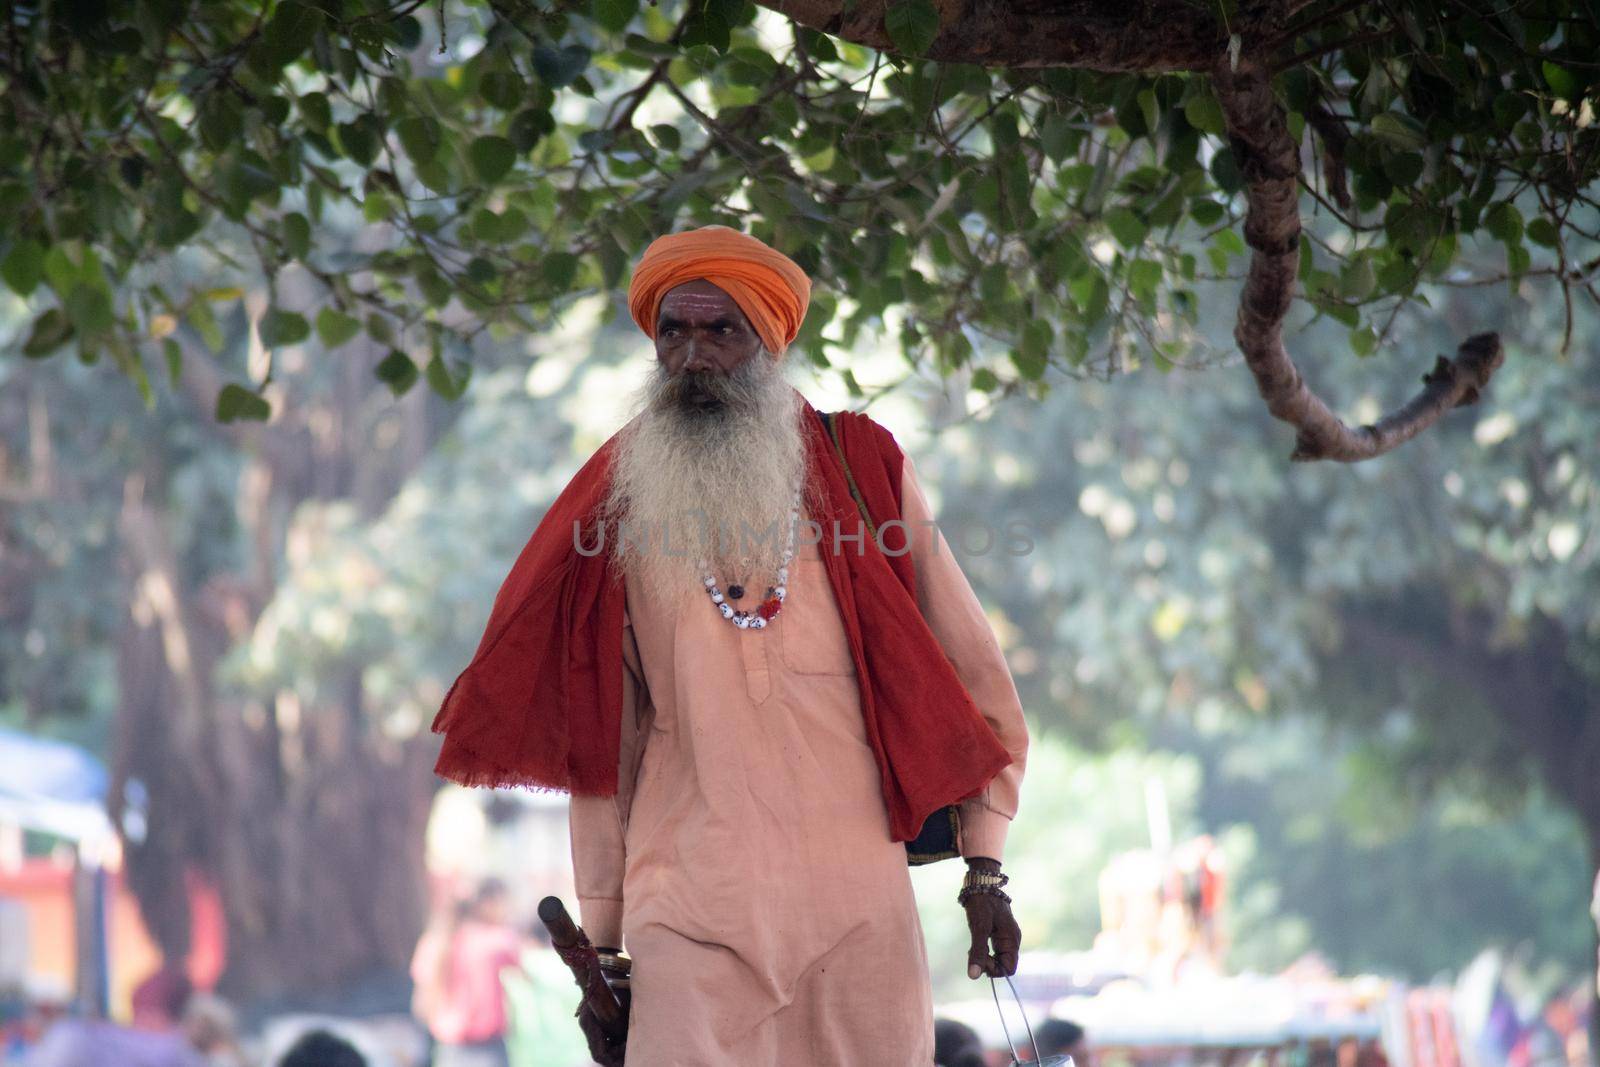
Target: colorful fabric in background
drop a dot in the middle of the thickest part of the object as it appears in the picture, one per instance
(769, 287)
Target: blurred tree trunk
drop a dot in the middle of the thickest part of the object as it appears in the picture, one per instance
(308, 820)
(1543, 708)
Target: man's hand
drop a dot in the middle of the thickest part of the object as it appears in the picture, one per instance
(991, 924)
(607, 1050)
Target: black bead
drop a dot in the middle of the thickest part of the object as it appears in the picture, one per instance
(735, 591)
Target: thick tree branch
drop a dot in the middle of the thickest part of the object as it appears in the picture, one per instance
(1147, 36)
(1269, 159)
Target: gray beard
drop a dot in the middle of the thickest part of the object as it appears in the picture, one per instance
(705, 476)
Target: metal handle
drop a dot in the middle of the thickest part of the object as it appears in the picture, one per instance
(1015, 1058)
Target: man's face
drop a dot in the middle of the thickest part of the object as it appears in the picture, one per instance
(700, 330)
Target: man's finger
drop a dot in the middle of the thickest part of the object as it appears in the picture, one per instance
(1007, 945)
(979, 962)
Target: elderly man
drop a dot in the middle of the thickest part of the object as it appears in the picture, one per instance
(738, 640)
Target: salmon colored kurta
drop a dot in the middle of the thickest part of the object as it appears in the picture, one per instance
(746, 862)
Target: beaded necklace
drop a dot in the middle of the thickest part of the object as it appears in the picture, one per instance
(772, 603)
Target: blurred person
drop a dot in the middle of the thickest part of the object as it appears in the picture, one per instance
(540, 998)
(956, 1045)
(158, 1001)
(456, 970)
(322, 1048)
(210, 1028)
(79, 1042)
(1060, 1037)
(758, 729)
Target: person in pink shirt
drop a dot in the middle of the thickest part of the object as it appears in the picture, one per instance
(456, 971)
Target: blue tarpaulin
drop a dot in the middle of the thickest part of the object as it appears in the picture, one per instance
(51, 786)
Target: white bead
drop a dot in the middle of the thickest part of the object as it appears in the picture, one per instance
(710, 581)
(780, 593)
(716, 597)
(760, 623)
(727, 610)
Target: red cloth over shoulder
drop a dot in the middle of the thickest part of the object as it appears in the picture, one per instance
(540, 703)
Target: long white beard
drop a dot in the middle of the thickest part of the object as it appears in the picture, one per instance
(697, 487)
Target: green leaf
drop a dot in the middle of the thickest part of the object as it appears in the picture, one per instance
(528, 127)
(420, 136)
(1359, 279)
(221, 119)
(358, 140)
(174, 357)
(291, 30)
(1505, 222)
(1206, 212)
(666, 136)
(89, 307)
(912, 25)
(23, 267)
(504, 89)
(1204, 113)
(317, 111)
(1150, 109)
(236, 402)
(614, 15)
(397, 371)
(443, 382)
(560, 268)
(985, 380)
(1542, 231)
(1058, 137)
(1400, 130)
(334, 327)
(1562, 81)
(283, 328)
(1363, 342)
(50, 331)
(1126, 227)
(1037, 335)
(1403, 168)
(558, 68)
(297, 234)
(1144, 276)
(435, 289)
(491, 157)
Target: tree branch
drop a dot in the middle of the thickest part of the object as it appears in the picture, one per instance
(1270, 162)
(1101, 35)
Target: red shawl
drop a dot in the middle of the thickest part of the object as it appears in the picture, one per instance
(540, 704)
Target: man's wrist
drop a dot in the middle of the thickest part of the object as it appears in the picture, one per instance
(983, 878)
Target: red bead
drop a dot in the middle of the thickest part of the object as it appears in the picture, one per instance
(769, 607)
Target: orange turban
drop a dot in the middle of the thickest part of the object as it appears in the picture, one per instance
(769, 287)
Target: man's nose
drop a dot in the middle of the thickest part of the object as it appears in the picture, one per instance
(697, 359)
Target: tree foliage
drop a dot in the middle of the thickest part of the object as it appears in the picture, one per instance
(997, 194)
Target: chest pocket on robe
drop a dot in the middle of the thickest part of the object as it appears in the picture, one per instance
(808, 628)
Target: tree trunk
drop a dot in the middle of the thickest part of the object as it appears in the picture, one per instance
(308, 819)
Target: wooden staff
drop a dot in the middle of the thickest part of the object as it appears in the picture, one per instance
(575, 950)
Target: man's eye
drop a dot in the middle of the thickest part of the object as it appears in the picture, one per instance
(726, 330)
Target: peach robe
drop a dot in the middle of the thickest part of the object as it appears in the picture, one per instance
(746, 863)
